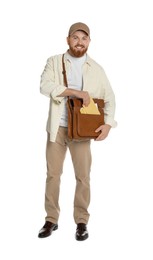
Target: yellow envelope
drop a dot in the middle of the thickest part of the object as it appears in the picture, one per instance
(90, 109)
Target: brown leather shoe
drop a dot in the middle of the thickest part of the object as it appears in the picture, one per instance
(81, 232)
(47, 229)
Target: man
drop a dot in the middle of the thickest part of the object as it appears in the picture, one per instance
(85, 79)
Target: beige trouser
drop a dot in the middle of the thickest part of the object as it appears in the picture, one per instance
(81, 159)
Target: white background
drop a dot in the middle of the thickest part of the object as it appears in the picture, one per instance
(121, 222)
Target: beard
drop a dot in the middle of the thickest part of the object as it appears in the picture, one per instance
(78, 52)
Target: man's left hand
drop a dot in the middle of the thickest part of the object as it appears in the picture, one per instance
(104, 129)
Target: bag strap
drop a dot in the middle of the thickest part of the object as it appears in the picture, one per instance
(64, 72)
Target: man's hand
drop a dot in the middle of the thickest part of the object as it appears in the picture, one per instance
(104, 132)
(85, 96)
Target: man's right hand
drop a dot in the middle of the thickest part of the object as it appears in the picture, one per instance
(85, 96)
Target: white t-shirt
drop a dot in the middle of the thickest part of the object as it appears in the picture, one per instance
(74, 79)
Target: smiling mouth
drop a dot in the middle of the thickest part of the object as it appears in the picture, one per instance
(79, 47)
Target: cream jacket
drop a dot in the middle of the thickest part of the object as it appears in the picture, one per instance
(94, 81)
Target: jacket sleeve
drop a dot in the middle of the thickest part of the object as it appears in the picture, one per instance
(110, 104)
(109, 110)
(49, 84)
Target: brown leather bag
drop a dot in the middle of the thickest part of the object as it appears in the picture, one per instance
(82, 126)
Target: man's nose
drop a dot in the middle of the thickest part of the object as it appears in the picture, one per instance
(80, 41)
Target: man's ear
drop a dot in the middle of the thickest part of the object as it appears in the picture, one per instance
(67, 39)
